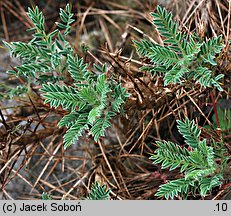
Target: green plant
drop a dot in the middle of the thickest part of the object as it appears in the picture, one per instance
(197, 162)
(182, 57)
(224, 118)
(9, 92)
(91, 97)
(97, 192)
(46, 196)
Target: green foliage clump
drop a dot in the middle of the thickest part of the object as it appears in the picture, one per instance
(197, 163)
(91, 97)
(182, 57)
(46, 196)
(224, 118)
(99, 192)
(7, 92)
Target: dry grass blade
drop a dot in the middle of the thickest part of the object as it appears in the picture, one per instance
(47, 164)
(108, 164)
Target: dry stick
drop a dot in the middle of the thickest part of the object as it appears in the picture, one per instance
(63, 159)
(124, 184)
(221, 18)
(108, 164)
(37, 113)
(173, 101)
(170, 113)
(31, 138)
(127, 73)
(8, 6)
(112, 22)
(57, 180)
(83, 19)
(143, 138)
(126, 142)
(211, 23)
(46, 149)
(143, 34)
(100, 177)
(4, 23)
(101, 12)
(76, 184)
(127, 13)
(216, 113)
(4, 121)
(45, 167)
(9, 161)
(64, 184)
(106, 34)
(21, 166)
(124, 58)
(228, 24)
(59, 156)
(115, 195)
(52, 169)
(55, 188)
(157, 129)
(4, 191)
(187, 12)
(199, 109)
(23, 12)
(146, 129)
(217, 197)
(89, 53)
(193, 11)
(126, 8)
(23, 178)
(120, 143)
(12, 166)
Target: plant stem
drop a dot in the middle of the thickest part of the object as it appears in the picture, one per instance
(216, 113)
